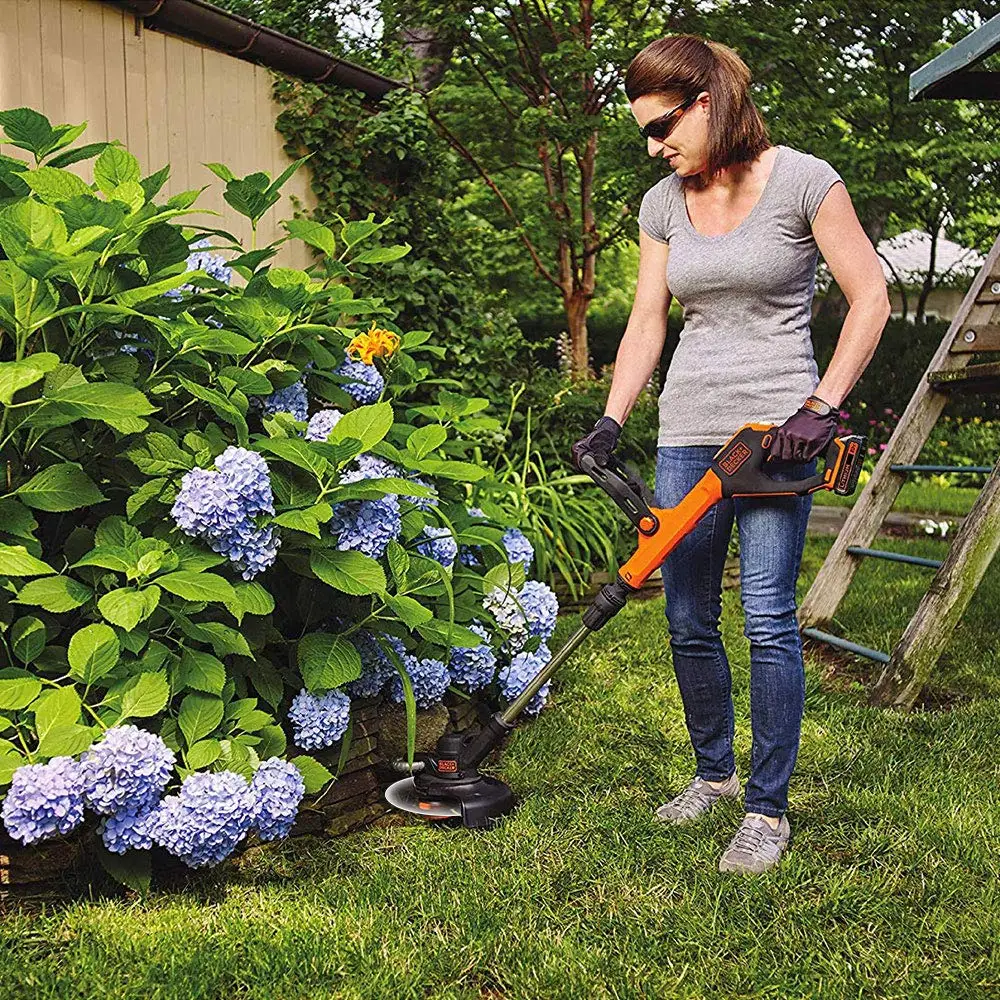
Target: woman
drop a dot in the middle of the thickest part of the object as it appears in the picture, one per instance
(735, 232)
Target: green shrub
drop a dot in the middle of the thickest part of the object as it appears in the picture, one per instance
(136, 582)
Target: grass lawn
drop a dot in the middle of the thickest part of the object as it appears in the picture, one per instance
(917, 497)
(890, 888)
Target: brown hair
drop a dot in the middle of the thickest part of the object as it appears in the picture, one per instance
(689, 64)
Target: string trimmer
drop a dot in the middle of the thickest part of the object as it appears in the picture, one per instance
(446, 784)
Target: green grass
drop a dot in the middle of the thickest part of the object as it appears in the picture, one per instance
(890, 889)
(924, 498)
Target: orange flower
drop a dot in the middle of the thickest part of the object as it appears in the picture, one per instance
(374, 343)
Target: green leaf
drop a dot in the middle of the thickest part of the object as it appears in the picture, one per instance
(125, 607)
(446, 634)
(146, 696)
(10, 761)
(203, 753)
(54, 594)
(199, 716)
(350, 572)
(52, 185)
(15, 375)
(314, 774)
(56, 707)
(225, 641)
(16, 560)
(299, 520)
(202, 671)
(163, 246)
(399, 561)
(114, 167)
(133, 869)
(72, 156)
(254, 599)
(27, 129)
(18, 689)
(425, 439)
(60, 488)
(298, 452)
(313, 233)
(93, 652)
(30, 225)
(65, 739)
(143, 293)
(506, 577)
(198, 586)
(327, 661)
(382, 255)
(410, 611)
(116, 404)
(27, 638)
(367, 424)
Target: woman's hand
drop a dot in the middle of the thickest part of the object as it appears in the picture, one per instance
(600, 442)
(806, 433)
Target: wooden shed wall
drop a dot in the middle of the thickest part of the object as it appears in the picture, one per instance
(166, 98)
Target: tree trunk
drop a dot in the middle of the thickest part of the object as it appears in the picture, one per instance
(928, 284)
(576, 319)
(431, 49)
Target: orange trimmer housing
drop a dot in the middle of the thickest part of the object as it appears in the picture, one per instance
(737, 470)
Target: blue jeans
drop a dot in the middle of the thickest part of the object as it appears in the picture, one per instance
(772, 533)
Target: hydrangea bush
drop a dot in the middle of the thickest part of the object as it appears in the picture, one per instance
(223, 519)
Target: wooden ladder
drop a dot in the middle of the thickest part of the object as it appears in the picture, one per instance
(975, 329)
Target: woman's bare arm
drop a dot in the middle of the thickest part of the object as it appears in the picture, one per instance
(642, 343)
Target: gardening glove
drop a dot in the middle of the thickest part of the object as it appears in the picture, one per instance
(806, 433)
(600, 442)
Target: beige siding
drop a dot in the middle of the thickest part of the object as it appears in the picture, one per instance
(167, 99)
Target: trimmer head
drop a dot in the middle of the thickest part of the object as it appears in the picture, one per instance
(439, 790)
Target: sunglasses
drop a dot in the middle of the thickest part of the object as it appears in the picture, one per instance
(660, 128)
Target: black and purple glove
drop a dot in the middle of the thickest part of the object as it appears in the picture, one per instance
(806, 433)
(600, 442)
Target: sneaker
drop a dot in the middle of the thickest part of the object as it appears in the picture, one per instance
(755, 847)
(696, 800)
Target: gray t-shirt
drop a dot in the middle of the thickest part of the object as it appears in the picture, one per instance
(745, 353)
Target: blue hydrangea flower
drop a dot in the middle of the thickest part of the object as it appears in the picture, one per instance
(214, 265)
(219, 507)
(541, 606)
(246, 473)
(292, 399)
(278, 787)
(519, 549)
(474, 666)
(367, 525)
(439, 546)
(203, 823)
(514, 678)
(43, 800)
(376, 667)
(429, 678)
(367, 383)
(321, 423)
(128, 829)
(319, 720)
(128, 768)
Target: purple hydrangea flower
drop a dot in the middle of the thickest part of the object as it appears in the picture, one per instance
(127, 829)
(319, 720)
(367, 383)
(206, 506)
(439, 546)
(515, 677)
(127, 769)
(203, 823)
(279, 788)
(474, 666)
(321, 423)
(519, 549)
(43, 800)
(429, 678)
(292, 399)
